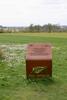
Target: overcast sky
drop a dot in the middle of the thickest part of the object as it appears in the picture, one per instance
(26, 12)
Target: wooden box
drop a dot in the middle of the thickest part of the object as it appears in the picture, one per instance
(39, 60)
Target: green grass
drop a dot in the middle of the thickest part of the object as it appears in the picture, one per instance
(13, 82)
(34, 37)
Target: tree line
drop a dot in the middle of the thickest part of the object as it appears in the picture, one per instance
(35, 28)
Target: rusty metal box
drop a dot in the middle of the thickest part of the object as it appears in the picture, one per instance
(39, 60)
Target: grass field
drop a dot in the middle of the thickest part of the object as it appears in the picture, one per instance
(13, 82)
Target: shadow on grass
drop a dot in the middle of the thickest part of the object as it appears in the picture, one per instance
(43, 81)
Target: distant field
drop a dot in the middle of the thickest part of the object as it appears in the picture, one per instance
(13, 82)
(33, 37)
(60, 34)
